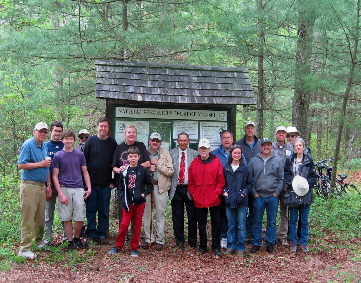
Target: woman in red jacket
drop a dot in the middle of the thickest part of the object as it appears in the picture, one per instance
(205, 185)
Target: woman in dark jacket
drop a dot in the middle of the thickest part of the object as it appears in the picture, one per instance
(302, 165)
(239, 184)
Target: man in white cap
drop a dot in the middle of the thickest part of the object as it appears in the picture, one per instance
(282, 149)
(161, 170)
(205, 183)
(83, 137)
(34, 188)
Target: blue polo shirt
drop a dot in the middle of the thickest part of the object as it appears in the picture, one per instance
(31, 152)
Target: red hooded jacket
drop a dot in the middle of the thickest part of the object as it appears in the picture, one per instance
(206, 181)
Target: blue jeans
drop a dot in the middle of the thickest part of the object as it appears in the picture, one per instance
(269, 204)
(98, 201)
(303, 212)
(236, 222)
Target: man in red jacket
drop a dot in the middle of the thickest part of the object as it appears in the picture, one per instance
(205, 184)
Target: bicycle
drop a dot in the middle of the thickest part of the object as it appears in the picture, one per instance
(323, 183)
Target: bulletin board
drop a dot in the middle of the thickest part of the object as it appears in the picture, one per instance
(198, 123)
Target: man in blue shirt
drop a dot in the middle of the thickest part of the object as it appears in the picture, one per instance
(34, 164)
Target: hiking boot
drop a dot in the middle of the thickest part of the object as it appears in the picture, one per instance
(293, 247)
(255, 249)
(146, 245)
(305, 249)
(218, 252)
(201, 251)
(114, 250)
(70, 246)
(27, 254)
(284, 242)
(159, 247)
(134, 253)
(78, 243)
(271, 249)
(223, 243)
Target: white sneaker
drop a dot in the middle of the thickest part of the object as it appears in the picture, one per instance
(27, 254)
(43, 244)
(223, 243)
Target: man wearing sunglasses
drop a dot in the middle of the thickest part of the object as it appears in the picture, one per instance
(83, 137)
(292, 134)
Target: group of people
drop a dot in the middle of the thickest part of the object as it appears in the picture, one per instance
(234, 183)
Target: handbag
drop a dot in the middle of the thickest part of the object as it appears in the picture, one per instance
(291, 199)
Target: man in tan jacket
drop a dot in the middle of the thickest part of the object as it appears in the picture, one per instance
(161, 170)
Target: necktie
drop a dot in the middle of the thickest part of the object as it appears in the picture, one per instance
(182, 169)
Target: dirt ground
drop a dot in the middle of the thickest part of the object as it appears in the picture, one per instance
(174, 265)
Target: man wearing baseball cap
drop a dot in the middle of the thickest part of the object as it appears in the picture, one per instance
(268, 176)
(282, 149)
(250, 144)
(206, 182)
(83, 136)
(161, 170)
(34, 188)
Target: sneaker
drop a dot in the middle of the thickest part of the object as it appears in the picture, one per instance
(70, 246)
(114, 250)
(181, 246)
(241, 254)
(78, 243)
(201, 251)
(134, 253)
(223, 243)
(293, 247)
(229, 252)
(255, 249)
(284, 242)
(43, 245)
(218, 252)
(27, 254)
(305, 249)
(271, 248)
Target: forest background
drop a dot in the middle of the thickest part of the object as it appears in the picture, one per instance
(302, 57)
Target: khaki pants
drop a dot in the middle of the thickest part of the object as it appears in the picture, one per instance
(283, 229)
(160, 206)
(32, 200)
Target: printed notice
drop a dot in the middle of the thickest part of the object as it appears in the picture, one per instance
(211, 130)
(189, 127)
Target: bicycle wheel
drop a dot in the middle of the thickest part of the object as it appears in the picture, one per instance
(325, 188)
(353, 188)
(339, 189)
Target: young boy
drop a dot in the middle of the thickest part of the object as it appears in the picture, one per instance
(133, 179)
(69, 168)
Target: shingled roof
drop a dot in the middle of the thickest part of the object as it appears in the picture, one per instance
(165, 83)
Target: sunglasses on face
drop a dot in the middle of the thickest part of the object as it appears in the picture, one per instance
(84, 137)
(291, 136)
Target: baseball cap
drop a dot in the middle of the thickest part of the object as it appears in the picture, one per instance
(292, 129)
(155, 135)
(250, 123)
(41, 125)
(83, 132)
(265, 140)
(281, 128)
(204, 143)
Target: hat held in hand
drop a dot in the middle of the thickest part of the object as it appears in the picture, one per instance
(300, 185)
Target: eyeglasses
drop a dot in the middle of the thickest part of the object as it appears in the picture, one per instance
(83, 137)
(57, 131)
(291, 136)
(43, 132)
(155, 140)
